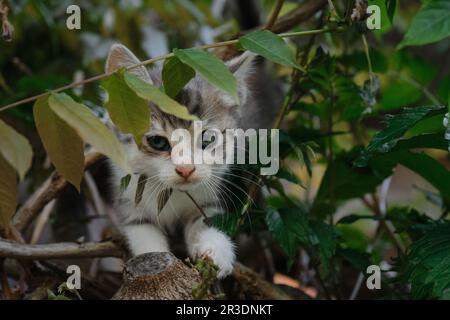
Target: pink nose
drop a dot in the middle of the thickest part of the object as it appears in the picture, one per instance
(185, 171)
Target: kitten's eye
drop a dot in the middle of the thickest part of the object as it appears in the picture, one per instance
(207, 139)
(158, 143)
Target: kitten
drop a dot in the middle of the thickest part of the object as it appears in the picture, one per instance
(146, 229)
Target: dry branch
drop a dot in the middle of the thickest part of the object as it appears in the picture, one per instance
(65, 250)
(274, 16)
(293, 18)
(253, 285)
(49, 190)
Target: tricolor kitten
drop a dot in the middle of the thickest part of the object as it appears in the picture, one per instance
(145, 229)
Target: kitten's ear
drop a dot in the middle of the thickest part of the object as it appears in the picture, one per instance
(120, 56)
(242, 67)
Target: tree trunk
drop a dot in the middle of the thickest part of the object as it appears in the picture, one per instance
(157, 276)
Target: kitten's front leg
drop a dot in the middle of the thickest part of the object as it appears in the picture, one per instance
(144, 238)
(202, 241)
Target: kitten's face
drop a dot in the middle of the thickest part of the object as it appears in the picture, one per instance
(155, 158)
(215, 109)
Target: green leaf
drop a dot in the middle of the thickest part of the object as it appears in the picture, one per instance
(424, 141)
(351, 218)
(281, 228)
(52, 296)
(153, 94)
(349, 98)
(124, 182)
(8, 192)
(410, 222)
(397, 125)
(286, 174)
(62, 143)
(140, 187)
(89, 128)
(163, 197)
(343, 181)
(175, 75)
(211, 68)
(228, 223)
(130, 113)
(325, 241)
(428, 264)
(289, 227)
(390, 7)
(399, 94)
(431, 24)
(15, 149)
(270, 46)
(352, 237)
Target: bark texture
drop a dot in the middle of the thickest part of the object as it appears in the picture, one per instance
(157, 276)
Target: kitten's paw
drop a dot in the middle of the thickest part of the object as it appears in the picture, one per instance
(217, 246)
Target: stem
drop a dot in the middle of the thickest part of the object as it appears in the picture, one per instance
(150, 61)
(369, 61)
(198, 207)
(376, 210)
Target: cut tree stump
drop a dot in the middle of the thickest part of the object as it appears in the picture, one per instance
(157, 276)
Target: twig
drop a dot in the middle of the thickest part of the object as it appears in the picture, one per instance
(297, 16)
(42, 221)
(274, 16)
(375, 209)
(97, 200)
(65, 250)
(198, 207)
(367, 53)
(357, 286)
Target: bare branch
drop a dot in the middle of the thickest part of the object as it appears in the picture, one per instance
(274, 16)
(297, 16)
(65, 250)
(255, 286)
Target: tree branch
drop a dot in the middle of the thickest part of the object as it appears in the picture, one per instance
(297, 16)
(274, 16)
(65, 250)
(255, 286)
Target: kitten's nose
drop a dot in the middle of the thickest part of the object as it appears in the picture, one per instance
(185, 171)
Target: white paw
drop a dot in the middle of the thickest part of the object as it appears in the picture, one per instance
(217, 246)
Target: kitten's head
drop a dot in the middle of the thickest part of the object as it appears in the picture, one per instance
(216, 110)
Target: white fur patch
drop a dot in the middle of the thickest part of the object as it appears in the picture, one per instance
(145, 238)
(213, 243)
